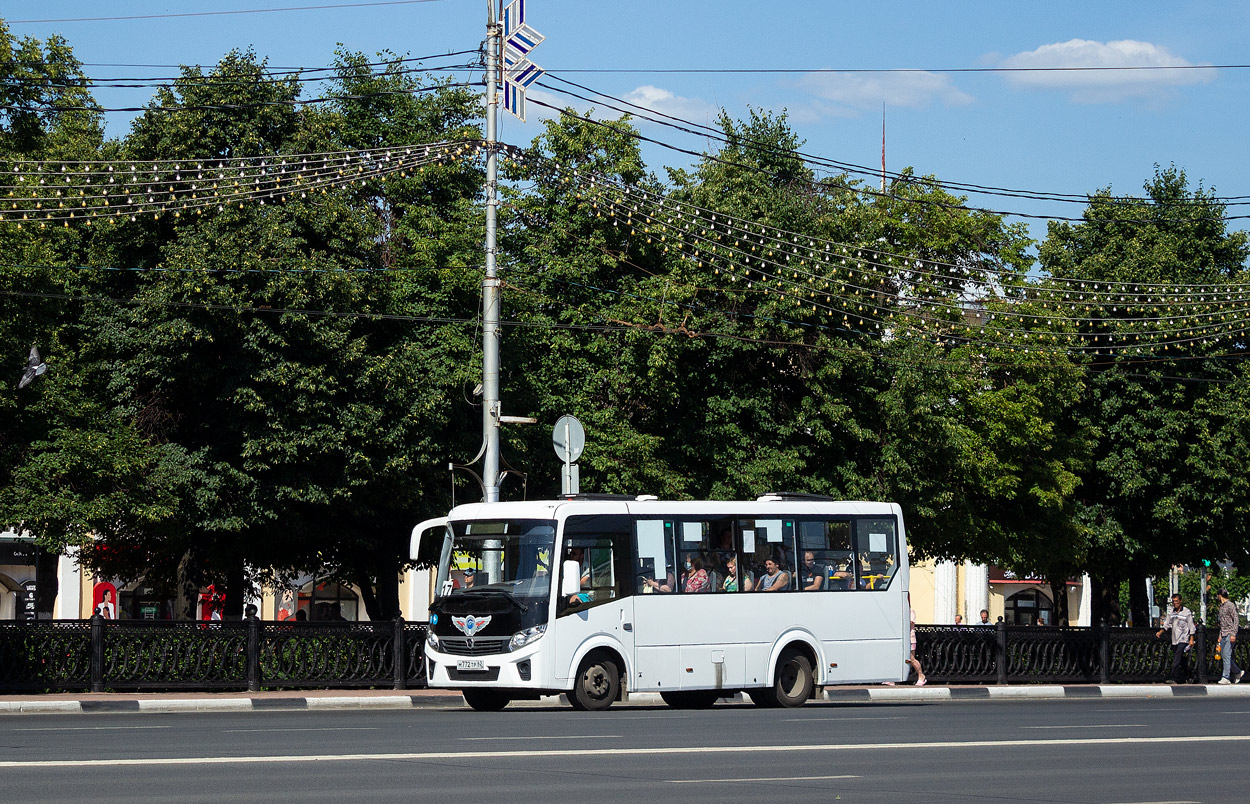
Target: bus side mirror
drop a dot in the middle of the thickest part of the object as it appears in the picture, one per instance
(427, 542)
(571, 579)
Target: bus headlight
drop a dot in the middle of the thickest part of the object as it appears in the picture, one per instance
(431, 640)
(522, 638)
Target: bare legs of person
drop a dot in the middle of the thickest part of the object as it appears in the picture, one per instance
(915, 663)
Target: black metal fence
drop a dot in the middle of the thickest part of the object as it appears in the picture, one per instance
(1004, 654)
(99, 654)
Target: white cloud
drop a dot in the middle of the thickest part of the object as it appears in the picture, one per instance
(1102, 85)
(665, 102)
(843, 92)
(654, 99)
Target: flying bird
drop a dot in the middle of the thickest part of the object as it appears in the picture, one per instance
(34, 367)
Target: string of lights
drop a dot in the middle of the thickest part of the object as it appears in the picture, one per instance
(887, 305)
(884, 264)
(65, 192)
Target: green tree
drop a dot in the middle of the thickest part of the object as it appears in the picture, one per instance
(1156, 492)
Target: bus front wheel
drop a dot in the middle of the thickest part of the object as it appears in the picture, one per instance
(486, 700)
(596, 686)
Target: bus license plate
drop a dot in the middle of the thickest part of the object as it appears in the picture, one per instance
(471, 665)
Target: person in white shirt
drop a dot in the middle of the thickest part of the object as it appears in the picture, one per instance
(1180, 621)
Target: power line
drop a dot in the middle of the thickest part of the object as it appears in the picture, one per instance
(860, 190)
(296, 102)
(223, 13)
(702, 130)
(272, 76)
(835, 70)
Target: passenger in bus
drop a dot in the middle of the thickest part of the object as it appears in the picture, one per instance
(578, 554)
(842, 577)
(811, 574)
(730, 584)
(774, 579)
(656, 586)
(695, 578)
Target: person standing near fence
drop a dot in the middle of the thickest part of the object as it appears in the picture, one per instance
(1229, 623)
(1180, 620)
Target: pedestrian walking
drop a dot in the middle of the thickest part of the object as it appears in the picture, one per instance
(1229, 623)
(1180, 621)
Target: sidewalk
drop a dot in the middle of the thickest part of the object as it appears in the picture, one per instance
(287, 700)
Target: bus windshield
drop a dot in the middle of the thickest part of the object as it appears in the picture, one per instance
(512, 556)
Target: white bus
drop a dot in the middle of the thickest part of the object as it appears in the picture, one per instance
(596, 596)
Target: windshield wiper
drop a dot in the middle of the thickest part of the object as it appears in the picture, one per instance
(488, 590)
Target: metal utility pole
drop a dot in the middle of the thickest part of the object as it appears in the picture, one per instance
(490, 285)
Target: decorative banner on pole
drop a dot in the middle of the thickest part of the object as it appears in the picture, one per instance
(518, 71)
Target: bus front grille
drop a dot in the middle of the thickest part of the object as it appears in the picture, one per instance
(473, 646)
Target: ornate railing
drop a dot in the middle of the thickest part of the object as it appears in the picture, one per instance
(45, 655)
(100, 654)
(1040, 654)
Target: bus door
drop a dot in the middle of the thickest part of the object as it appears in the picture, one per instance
(601, 612)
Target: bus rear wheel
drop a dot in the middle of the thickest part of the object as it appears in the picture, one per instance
(486, 700)
(596, 686)
(795, 679)
(694, 699)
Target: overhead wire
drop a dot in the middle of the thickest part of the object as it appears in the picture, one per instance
(1187, 329)
(701, 130)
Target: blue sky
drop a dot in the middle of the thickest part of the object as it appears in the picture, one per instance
(1070, 132)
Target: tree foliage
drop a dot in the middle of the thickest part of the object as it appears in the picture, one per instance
(266, 390)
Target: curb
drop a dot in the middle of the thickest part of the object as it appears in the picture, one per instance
(452, 699)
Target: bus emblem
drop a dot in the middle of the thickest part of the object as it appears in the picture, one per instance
(470, 625)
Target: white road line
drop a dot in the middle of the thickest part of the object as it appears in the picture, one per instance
(93, 728)
(311, 728)
(1092, 726)
(613, 719)
(763, 779)
(553, 737)
(834, 719)
(585, 752)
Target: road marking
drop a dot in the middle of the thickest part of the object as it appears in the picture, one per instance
(553, 737)
(311, 728)
(638, 717)
(834, 719)
(1093, 726)
(763, 779)
(92, 728)
(1159, 802)
(584, 752)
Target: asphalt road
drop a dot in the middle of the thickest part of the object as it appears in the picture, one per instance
(1089, 751)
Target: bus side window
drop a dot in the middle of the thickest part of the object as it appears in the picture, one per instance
(876, 540)
(599, 544)
(835, 555)
(773, 541)
(652, 565)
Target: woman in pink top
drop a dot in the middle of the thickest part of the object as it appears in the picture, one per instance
(695, 578)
